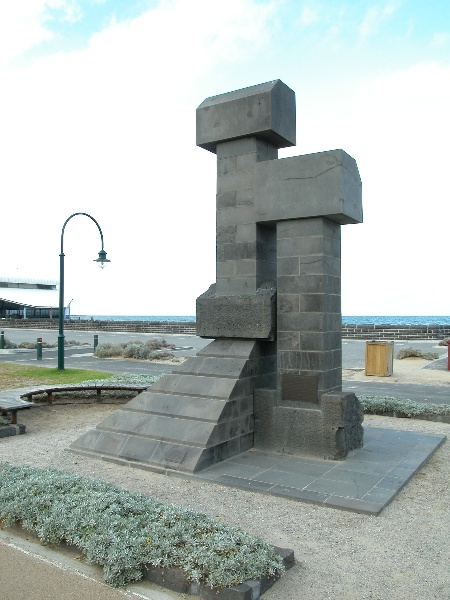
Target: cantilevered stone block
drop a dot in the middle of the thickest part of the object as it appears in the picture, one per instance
(324, 184)
(266, 111)
(249, 316)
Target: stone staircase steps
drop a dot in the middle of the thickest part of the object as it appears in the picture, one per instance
(199, 414)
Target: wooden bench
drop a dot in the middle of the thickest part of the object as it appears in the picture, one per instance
(82, 388)
(12, 406)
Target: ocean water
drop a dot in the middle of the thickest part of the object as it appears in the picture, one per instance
(397, 320)
(350, 320)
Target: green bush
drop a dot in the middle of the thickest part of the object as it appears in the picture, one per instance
(123, 531)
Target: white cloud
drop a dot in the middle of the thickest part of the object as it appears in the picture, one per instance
(397, 128)
(400, 138)
(70, 10)
(440, 40)
(110, 130)
(22, 25)
(308, 16)
(374, 18)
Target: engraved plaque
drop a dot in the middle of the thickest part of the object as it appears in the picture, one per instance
(300, 388)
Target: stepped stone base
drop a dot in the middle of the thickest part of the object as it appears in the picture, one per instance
(198, 415)
(329, 430)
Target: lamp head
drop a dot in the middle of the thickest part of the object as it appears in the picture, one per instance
(101, 260)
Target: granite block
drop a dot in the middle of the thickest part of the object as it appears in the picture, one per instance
(266, 111)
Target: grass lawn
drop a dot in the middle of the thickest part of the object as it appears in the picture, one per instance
(16, 376)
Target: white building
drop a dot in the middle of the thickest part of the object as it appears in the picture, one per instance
(28, 298)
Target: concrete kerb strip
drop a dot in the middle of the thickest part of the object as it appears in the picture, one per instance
(172, 579)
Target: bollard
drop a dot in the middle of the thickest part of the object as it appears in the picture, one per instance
(39, 349)
(2, 340)
(95, 341)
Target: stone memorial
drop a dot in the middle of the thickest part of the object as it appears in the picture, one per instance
(272, 376)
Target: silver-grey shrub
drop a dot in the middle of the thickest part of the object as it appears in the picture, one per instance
(122, 531)
(127, 379)
(108, 350)
(151, 349)
(416, 353)
(134, 350)
(8, 344)
(379, 405)
(158, 344)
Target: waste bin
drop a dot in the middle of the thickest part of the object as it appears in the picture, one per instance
(379, 358)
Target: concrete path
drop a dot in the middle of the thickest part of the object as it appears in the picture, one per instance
(30, 571)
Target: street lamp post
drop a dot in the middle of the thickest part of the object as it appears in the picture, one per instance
(68, 309)
(101, 260)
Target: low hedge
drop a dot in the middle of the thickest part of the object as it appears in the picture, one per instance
(123, 531)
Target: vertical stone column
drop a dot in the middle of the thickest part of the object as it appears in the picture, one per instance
(309, 198)
(309, 309)
(245, 257)
(244, 129)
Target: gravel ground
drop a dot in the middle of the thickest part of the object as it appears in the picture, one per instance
(401, 554)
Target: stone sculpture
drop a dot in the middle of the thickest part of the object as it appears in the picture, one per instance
(272, 377)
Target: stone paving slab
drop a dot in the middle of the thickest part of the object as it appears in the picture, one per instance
(440, 364)
(366, 482)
